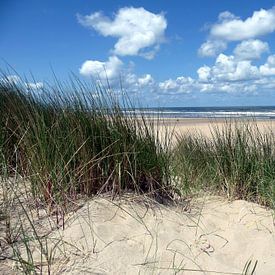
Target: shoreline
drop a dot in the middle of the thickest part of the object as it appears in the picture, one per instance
(210, 119)
(192, 120)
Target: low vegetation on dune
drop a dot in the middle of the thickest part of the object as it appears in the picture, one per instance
(77, 140)
(237, 160)
(69, 141)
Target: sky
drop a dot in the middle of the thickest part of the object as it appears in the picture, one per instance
(163, 53)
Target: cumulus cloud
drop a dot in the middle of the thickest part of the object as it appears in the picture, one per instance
(204, 73)
(179, 85)
(227, 68)
(134, 83)
(212, 48)
(233, 88)
(139, 31)
(251, 49)
(232, 28)
(98, 69)
(228, 74)
(118, 74)
(145, 80)
(236, 73)
(232, 75)
(268, 69)
(227, 16)
(175, 87)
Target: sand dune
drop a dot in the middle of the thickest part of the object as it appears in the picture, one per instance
(208, 236)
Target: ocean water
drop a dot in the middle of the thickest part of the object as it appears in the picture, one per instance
(259, 112)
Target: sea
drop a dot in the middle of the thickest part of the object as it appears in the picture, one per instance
(257, 112)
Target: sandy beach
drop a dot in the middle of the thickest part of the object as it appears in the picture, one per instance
(209, 235)
(181, 126)
(204, 125)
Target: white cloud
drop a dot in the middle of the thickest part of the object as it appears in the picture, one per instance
(227, 68)
(180, 85)
(98, 69)
(145, 80)
(136, 29)
(268, 69)
(251, 49)
(228, 74)
(212, 48)
(224, 87)
(204, 73)
(133, 83)
(232, 28)
(175, 87)
(232, 75)
(115, 70)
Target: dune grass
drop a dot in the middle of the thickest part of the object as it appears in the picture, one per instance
(73, 140)
(69, 141)
(238, 160)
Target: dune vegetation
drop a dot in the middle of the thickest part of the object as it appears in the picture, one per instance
(238, 161)
(68, 141)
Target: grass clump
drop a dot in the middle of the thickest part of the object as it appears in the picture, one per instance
(69, 141)
(237, 160)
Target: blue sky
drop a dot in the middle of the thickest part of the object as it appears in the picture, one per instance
(167, 53)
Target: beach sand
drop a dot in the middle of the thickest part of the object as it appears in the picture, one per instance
(210, 235)
(134, 235)
(181, 126)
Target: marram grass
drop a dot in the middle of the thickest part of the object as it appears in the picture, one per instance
(69, 141)
(237, 160)
(76, 140)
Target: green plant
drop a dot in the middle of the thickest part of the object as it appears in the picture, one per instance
(70, 141)
(238, 160)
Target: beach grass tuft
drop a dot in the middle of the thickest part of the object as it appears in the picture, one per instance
(237, 160)
(76, 139)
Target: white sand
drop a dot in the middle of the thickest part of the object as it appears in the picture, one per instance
(212, 235)
(204, 126)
